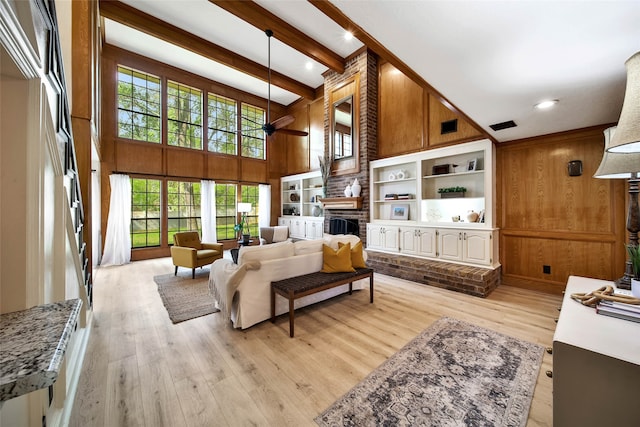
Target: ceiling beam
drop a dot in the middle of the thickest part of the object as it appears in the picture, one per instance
(131, 17)
(375, 46)
(262, 19)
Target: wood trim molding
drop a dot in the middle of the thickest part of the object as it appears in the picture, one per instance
(342, 203)
(262, 19)
(131, 17)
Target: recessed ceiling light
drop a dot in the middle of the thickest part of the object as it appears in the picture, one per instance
(309, 65)
(348, 35)
(545, 104)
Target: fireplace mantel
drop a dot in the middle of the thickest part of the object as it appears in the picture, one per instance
(341, 203)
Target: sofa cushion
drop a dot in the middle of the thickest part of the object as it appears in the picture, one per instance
(302, 247)
(265, 252)
(336, 261)
(357, 256)
(333, 239)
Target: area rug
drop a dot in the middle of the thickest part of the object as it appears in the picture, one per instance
(452, 374)
(186, 298)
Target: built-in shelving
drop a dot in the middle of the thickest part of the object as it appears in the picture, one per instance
(420, 222)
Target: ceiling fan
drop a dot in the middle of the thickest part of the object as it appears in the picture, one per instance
(277, 125)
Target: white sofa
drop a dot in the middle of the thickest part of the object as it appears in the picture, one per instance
(242, 291)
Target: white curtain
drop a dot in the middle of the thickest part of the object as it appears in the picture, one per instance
(117, 247)
(264, 205)
(208, 211)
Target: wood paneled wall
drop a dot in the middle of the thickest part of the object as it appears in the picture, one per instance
(573, 225)
(410, 117)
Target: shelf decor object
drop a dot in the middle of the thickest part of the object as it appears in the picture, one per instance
(623, 166)
(244, 208)
(451, 192)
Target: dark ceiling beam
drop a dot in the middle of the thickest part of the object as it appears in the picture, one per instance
(261, 18)
(131, 17)
(375, 46)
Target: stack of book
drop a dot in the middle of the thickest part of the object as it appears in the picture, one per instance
(391, 197)
(620, 310)
(404, 196)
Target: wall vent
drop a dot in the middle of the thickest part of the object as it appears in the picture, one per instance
(503, 125)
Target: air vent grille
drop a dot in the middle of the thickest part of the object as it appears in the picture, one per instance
(503, 125)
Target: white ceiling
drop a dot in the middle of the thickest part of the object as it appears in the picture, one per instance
(492, 59)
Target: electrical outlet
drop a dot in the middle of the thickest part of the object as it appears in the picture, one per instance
(546, 269)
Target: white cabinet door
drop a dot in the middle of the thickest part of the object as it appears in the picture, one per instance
(427, 242)
(477, 247)
(418, 241)
(450, 244)
(374, 236)
(314, 229)
(383, 237)
(391, 238)
(409, 242)
(285, 221)
(296, 229)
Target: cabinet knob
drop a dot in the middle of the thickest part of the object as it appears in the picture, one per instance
(459, 236)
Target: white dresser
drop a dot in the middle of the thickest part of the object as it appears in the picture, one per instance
(596, 365)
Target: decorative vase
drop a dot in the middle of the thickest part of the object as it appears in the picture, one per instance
(635, 287)
(347, 191)
(356, 188)
(472, 216)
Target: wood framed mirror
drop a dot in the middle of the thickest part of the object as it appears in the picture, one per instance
(344, 119)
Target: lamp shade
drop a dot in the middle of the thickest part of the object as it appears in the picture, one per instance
(244, 207)
(617, 165)
(627, 136)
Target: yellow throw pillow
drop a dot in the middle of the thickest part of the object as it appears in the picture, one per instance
(357, 257)
(336, 261)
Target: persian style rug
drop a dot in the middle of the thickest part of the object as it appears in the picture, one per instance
(186, 298)
(452, 374)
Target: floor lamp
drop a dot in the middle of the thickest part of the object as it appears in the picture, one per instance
(623, 166)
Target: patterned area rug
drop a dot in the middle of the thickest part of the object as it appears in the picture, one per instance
(452, 374)
(186, 298)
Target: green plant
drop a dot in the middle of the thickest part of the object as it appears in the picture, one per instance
(634, 257)
(452, 190)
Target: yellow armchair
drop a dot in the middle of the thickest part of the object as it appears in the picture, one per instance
(188, 251)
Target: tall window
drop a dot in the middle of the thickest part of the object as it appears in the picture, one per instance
(253, 137)
(138, 105)
(145, 212)
(223, 124)
(183, 207)
(184, 116)
(249, 194)
(225, 211)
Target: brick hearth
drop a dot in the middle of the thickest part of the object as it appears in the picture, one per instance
(475, 281)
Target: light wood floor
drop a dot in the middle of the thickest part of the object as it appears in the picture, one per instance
(141, 370)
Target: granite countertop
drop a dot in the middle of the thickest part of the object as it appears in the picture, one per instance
(32, 346)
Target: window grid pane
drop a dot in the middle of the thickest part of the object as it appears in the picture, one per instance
(183, 207)
(225, 211)
(138, 105)
(249, 194)
(253, 137)
(223, 119)
(145, 213)
(184, 116)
